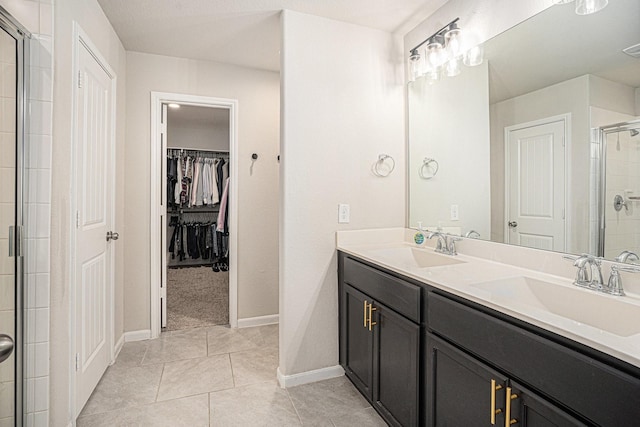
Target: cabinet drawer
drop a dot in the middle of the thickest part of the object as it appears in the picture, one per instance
(395, 293)
(594, 390)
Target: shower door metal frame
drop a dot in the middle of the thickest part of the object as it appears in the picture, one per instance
(21, 35)
(602, 164)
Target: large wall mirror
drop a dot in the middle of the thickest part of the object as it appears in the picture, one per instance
(540, 145)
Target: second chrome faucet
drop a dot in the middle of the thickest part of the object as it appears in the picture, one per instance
(446, 243)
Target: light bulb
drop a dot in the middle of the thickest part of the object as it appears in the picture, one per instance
(587, 7)
(454, 41)
(414, 65)
(435, 52)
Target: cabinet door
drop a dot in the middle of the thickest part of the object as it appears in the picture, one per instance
(358, 355)
(396, 367)
(460, 388)
(531, 410)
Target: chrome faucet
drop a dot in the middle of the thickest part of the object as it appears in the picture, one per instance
(589, 274)
(627, 257)
(472, 234)
(444, 245)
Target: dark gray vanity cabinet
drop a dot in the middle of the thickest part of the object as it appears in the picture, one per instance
(380, 340)
(463, 391)
(425, 357)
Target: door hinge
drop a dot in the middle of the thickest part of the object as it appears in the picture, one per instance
(77, 361)
(563, 214)
(80, 79)
(77, 219)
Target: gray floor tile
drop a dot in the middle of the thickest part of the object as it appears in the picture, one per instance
(222, 339)
(124, 386)
(319, 401)
(189, 411)
(366, 417)
(254, 366)
(263, 404)
(177, 345)
(132, 353)
(194, 376)
(270, 335)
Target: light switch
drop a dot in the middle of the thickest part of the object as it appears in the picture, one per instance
(454, 213)
(343, 213)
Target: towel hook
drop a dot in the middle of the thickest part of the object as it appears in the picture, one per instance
(425, 168)
(378, 169)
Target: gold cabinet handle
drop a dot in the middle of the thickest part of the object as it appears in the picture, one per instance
(507, 416)
(494, 411)
(364, 314)
(371, 310)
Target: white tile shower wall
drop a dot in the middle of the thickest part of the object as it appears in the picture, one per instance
(38, 219)
(37, 17)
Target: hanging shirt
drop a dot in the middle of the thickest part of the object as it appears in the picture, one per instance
(223, 207)
(199, 183)
(178, 188)
(206, 182)
(194, 186)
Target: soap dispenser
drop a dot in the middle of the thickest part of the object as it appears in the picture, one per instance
(419, 236)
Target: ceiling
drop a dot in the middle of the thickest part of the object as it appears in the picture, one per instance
(244, 32)
(557, 45)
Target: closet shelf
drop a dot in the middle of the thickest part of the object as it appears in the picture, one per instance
(175, 263)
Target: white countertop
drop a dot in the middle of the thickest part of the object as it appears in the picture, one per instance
(461, 279)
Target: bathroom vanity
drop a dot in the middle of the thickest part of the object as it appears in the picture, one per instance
(433, 340)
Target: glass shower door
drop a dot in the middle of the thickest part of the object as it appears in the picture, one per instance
(10, 211)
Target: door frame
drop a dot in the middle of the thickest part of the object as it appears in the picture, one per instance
(157, 210)
(566, 119)
(80, 37)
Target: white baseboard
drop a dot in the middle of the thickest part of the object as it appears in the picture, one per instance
(249, 322)
(287, 381)
(118, 347)
(141, 335)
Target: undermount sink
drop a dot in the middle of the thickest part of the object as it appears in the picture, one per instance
(414, 257)
(614, 315)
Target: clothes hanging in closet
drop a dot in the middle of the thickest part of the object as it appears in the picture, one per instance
(195, 178)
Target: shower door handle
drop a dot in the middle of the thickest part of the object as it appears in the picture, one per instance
(6, 347)
(15, 241)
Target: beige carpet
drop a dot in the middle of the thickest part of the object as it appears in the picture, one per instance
(197, 296)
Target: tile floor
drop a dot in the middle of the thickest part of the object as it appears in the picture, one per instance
(216, 376)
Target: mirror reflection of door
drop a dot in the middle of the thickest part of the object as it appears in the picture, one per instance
(535, 185)
(8, 310)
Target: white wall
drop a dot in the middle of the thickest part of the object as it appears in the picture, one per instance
(197, 136)
(449, 121)
(93, 21)
(341, 107)
(257, 93)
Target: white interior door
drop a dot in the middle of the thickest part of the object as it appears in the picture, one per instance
(163, 219)
(94, 198)
(535, 181)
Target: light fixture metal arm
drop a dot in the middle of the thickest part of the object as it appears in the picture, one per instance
(434, 34)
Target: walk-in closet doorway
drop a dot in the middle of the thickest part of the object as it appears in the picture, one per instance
(194, 207)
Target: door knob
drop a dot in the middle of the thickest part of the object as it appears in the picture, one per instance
(6, 347)
(111, 235)
(513, 224)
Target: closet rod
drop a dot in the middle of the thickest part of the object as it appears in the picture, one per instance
(198, 149)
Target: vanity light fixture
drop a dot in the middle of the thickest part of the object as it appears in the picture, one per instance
(586, 7)
(444, 53)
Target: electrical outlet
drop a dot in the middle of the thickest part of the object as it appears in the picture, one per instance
(343, 213)
(454, 213)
